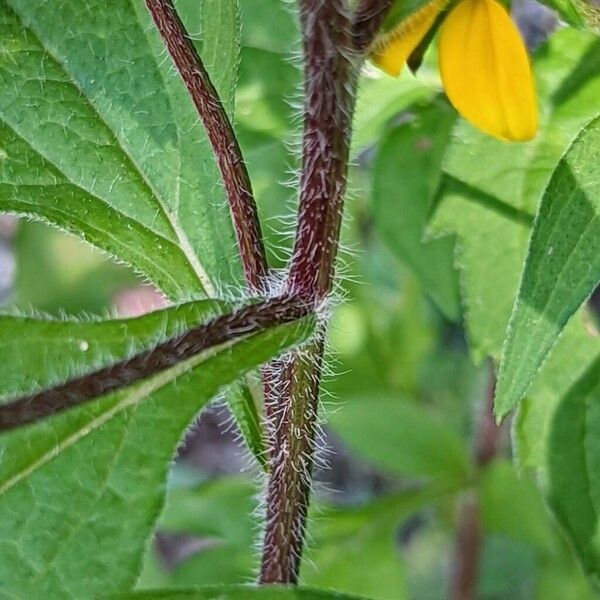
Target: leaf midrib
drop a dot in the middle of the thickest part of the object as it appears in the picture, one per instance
(180, 235)
(131, 398)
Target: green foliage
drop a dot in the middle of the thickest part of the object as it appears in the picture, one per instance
(355, 550)
(265, 119)
(110, 477)
(491, 207)
(380, 100)
(406, 175)
(56, 272)
(573, 355)
(238, 593)
(99, 139)
(555, 436)
(218, 511)
(493, 211)
(562, 268)
(429, 447)
(352, 550)
(524, 521)
(111, 153)
(573, 462)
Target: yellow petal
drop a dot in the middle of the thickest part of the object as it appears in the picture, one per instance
(393, 48)
(486, 72)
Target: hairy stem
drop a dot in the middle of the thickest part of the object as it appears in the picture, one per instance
(222, 138)
(292, 402)
(368, 18)
(329, 82)
(221, 330)
(469, 535)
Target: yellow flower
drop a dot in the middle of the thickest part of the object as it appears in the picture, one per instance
(482, 60)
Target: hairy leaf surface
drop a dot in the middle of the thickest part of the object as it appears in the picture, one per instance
(101, 139)
(81, 490)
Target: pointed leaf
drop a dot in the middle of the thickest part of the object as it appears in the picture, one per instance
(562, 268)
(84, 488)
(101, 139)
(556, 435)
(491, 207)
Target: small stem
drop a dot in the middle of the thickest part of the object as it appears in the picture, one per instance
(368, 18)
(227, 328)
(291, 427)
(329, 82)
(488, 434)
(292, 400)
(469, 535)
(222, 138)
(467, 549)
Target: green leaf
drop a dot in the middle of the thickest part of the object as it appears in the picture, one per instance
(573, 467)
(278, 33)
(380, 100)
(507, 569)
(511, 506)
(352, 550)
(265, 118)
(564, 581)
(239, 592)
(554, 435)
(562, 268)
(101, 139)
(244, 398)
(491, 207)
(355, 549)
(220, 513)
(383, 335)
(44, 352)
(406, 175)
(575, 352)
(106, 460)
(409, 441)
(219, 42)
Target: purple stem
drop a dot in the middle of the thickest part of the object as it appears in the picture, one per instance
(230, 327)
(222, 138)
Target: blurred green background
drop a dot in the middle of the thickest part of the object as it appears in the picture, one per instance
(402, 397)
